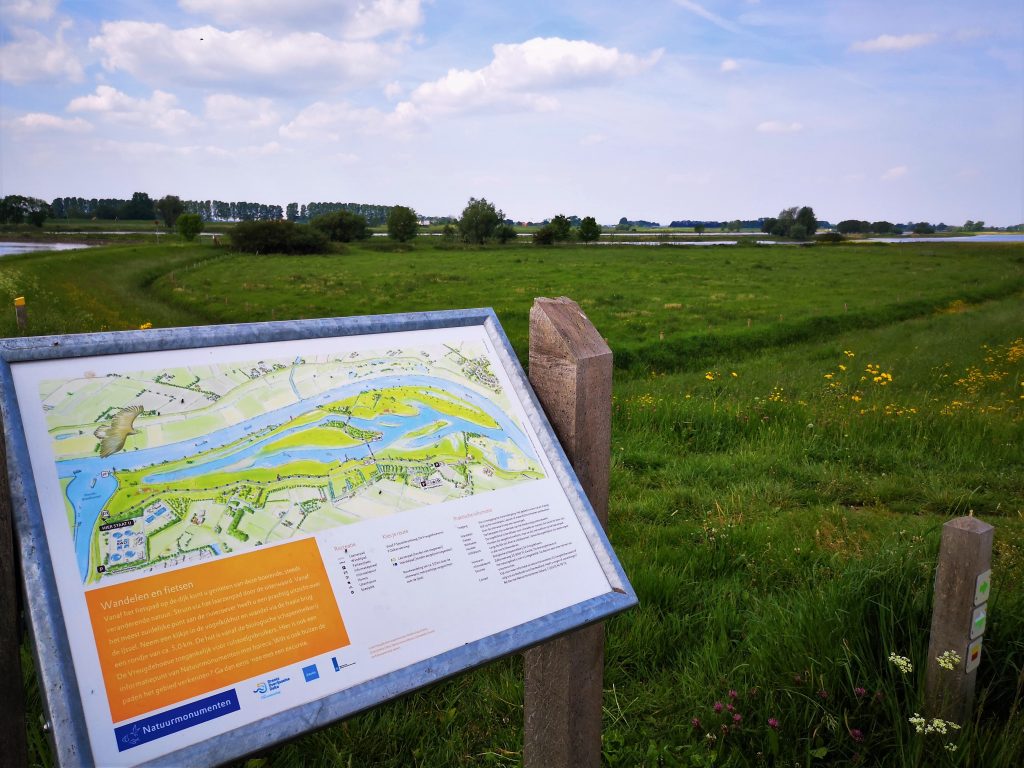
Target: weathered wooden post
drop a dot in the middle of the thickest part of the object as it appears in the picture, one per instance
(21, 313)
(13, 746)
(963, 581)
(570, 369)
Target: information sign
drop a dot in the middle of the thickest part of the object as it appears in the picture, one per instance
(232, 535)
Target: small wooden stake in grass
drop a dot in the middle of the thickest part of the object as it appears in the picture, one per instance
(960, 598)
(571, 372)
(21, 313)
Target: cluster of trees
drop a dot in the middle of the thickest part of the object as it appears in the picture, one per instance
(278, 237)
(797, 223)
(341, 226)
(625, 225)
(725, 226)
(855, 227)
(338, 226)
(481, 223)
(17, 209)
(561, 229)
(375, 215)
(141, 207)
(218, 210)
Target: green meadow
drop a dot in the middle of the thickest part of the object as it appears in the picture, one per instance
(791, 428)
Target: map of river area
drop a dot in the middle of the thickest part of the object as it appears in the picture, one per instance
(162, 468)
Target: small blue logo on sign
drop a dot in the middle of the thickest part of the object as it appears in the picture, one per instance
(174, 720)
(270, 687)
(310, 672)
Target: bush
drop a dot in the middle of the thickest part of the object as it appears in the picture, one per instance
(342, 226)
(544, 236)
(830, 237)
(189, 225)
(505, 233)
(589, 230)
(278, 237)
(479, 221)
(403, 224)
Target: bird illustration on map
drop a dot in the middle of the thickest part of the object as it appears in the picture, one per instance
(113, 435)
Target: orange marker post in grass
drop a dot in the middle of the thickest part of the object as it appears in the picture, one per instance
(21, 312)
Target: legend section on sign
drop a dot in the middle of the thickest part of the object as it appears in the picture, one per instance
(358, 568)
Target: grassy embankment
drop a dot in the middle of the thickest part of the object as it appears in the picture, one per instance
(776, 499)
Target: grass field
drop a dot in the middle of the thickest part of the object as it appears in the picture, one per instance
(791, 427)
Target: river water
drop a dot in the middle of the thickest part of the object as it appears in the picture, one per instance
(9, 249)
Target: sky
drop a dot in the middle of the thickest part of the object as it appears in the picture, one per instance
(660, 110)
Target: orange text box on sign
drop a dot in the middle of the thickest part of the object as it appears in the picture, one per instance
(166, 638)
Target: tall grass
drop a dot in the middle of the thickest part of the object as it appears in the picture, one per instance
(777, 509)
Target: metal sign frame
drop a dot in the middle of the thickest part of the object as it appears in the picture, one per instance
(54, 664)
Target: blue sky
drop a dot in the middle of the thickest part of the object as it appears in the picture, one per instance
(661, 110)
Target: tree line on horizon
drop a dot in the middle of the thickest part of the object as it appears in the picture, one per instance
(18, 209)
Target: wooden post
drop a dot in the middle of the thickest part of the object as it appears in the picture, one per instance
(13, 745)
(962, 587)
(571, 372)
(21, 313)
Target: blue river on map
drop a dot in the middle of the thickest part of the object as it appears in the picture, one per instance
(94, 480)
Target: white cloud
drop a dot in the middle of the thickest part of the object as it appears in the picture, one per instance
(329, 122)
(207, 55)
(517, 78)
(886, 43)
(896, 172)
(28, 10)
(779, 126)
(519, 73)
(729, 65)
(33, 56)
(44, 121)
(393, 90)
(159, 112)
(226, 108)
(356, 19)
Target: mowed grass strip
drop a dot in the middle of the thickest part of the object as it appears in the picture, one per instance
(780, 525)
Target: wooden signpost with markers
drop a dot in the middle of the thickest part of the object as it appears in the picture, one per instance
(963, 582)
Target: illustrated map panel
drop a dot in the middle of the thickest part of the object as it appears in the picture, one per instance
(163, 468)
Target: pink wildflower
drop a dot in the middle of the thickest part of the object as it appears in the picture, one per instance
(773, 723)
(718, 706)
(856, 735)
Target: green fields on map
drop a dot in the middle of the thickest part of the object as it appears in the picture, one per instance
(205, 472)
